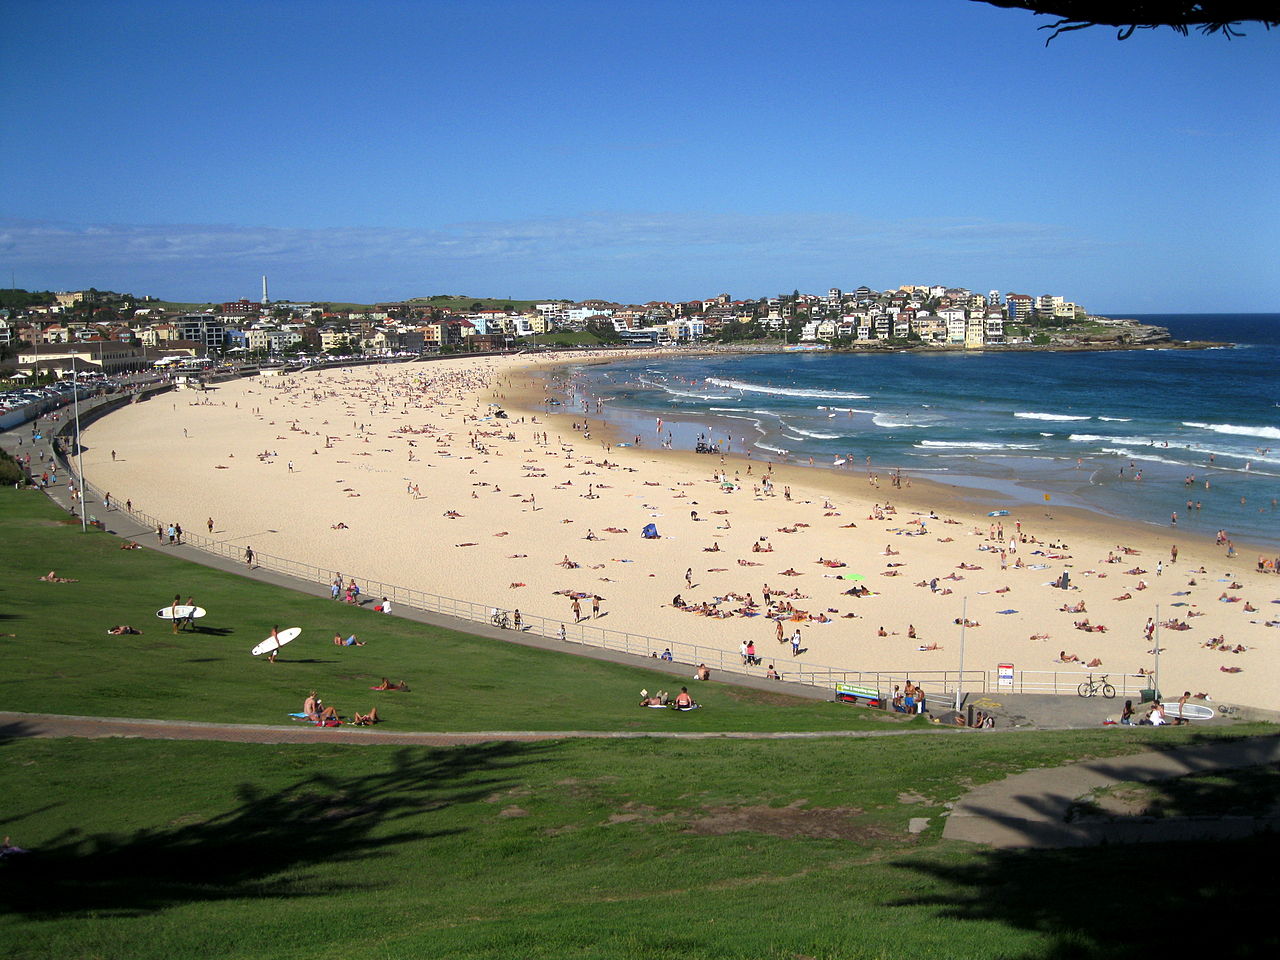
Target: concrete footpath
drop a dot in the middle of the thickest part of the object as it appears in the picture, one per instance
(1037, 808)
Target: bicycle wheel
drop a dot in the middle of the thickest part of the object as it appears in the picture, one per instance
(1108, 691)
(1085, 689)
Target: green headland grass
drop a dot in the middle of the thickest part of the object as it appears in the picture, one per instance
(61, 659)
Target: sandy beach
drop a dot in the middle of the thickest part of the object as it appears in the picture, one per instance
(400, 473)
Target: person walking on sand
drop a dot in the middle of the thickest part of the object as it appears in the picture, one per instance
(688, 577)
(577, 610)
(209, 523)
(595, 605)
(795, 643)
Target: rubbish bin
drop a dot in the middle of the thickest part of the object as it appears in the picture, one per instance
(1149, 694)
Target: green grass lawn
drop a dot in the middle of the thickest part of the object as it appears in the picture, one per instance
(62, 660)
(583, 849)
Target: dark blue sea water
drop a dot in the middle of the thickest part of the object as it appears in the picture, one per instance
(1116, 432)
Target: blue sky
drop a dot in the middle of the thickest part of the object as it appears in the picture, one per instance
(657, 150)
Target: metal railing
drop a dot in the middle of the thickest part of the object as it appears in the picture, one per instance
(1063, 682)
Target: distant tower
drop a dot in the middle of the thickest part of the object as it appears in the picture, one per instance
(265, 301)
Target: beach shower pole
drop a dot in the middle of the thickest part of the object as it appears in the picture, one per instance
(1156, 634)
(75, 392)
(964, 621)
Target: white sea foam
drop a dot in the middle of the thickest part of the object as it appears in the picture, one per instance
(1266, 433)
(1118, 419)
(881, 420)
(785, 391)
(1101, 438)
(1049, 416)
(1143, 456)
(974, 445)
(685, 393)
(765, 446)
(813, 433)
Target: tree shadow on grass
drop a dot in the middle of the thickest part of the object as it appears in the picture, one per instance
(1185, 863)
(1119, 901)
(313, 827)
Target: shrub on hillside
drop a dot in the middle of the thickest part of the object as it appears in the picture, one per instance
(10, 470)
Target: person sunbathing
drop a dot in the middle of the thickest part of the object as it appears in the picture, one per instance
(683, 700)
(1064, 657)
(130, 545)
(388, 685)
(1095, 662)
(122, 629)
(931, 646)
(52, 577)
(367, 719)
(702, 673)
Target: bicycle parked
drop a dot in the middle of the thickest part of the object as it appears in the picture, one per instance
(1092, 687)
(499, 619)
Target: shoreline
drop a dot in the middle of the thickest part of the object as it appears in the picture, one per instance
(522, 505)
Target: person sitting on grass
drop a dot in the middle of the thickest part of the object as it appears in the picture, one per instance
(683, 700)
(702, 672)
(315, 710)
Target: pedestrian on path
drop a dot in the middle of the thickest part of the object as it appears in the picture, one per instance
(248, 556)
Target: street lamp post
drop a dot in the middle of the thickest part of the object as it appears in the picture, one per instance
(1156, 633)
(964, 621)
(75, 392)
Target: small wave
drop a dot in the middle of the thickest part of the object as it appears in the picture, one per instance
(814, 434)
(1143, 456)
(765, 446)
(1049, 416)
(1100, 438)
(880, 421)
(685, 393)
(1266, 433)
(974, 445)
(1118, 419)
(785, 391)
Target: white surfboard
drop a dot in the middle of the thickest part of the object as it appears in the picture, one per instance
(181, 612)
(276, 642)
(1189, 711)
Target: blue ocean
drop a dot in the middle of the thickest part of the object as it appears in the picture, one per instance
(1131, 433)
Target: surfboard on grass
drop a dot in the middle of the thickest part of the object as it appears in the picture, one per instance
(181, 612)
(276, 642)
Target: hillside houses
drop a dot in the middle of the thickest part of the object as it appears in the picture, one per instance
(913, 314)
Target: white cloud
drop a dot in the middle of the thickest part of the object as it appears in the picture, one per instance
(610, 253)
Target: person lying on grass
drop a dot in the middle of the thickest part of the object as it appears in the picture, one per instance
(367, 719)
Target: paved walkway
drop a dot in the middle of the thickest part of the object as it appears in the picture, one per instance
(1031, 809)
(47, 725)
